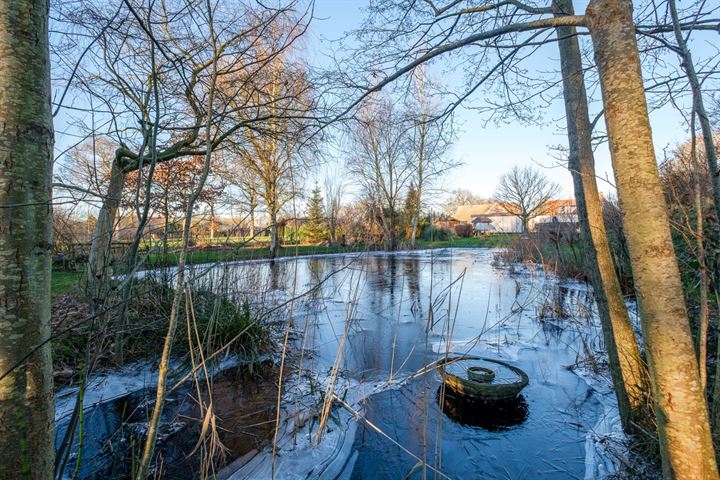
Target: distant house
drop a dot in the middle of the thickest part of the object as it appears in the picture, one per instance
(563, 212)
(494, 217)
(483, 224)
(445, 221)
(491, 213)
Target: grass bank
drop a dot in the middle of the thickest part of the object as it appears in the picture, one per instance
(210, 320)
(497, 240)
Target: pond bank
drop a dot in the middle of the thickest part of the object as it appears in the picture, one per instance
(364, 331)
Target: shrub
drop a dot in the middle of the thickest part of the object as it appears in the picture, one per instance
(464, 230)
(431, 233)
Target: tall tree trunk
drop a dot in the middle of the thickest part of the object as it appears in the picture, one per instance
(702, 337)
(332, 240)
(26, 156)
(414, 230)
(100, 248)
(212, 222)
(166, 226)
(252, 221)
(274, 235)
(388, 224)
(626, 366)
(682, 418)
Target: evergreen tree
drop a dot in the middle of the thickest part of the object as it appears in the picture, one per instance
(316, 227)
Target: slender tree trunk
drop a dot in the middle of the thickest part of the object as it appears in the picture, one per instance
(166, 223)
(682, 418)
(180, 284)
(702, 267)
(699, 108)
(274, 234)
(100, 248)
(253, 206)
(331, 227)
(414, 230)
(391, 232)
(388, 224)
(626, 366)
(26, 155)
(212, 222)
(252, 222)
(416, 213)
(715, 418)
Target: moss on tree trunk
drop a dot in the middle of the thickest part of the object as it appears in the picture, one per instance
(26, 154)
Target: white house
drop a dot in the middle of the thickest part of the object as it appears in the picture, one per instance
(493, 217)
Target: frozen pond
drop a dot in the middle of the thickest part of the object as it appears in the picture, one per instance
(399, 312)
(365, 327)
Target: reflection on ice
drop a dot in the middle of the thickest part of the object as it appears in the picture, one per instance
(492, 416)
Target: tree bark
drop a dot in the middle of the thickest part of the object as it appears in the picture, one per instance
(682, 418)
(26, 156)
(274, 235)
(212, 222)
(626, 366)
(100, 251)
(413, 233)
(388, 224)
(252, 222)
(525, 224)
(332, 237)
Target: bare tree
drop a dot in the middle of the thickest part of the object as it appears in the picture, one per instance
(334, 189)
(428, 30)
(699, 109)
(460, 197)
(116, 73)
(243, 192)
(525, 193)
(271, 149)
(379, 159)
(206, 101)
(432, 137)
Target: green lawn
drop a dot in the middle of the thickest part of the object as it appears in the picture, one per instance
(247, 253)
(485, 241)
(63, 282)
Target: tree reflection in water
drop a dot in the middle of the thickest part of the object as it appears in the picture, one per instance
(492, 416)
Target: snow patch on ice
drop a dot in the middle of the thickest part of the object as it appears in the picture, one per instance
(299, 455)
(607, 431)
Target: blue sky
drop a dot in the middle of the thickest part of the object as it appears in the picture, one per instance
(488, 150)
